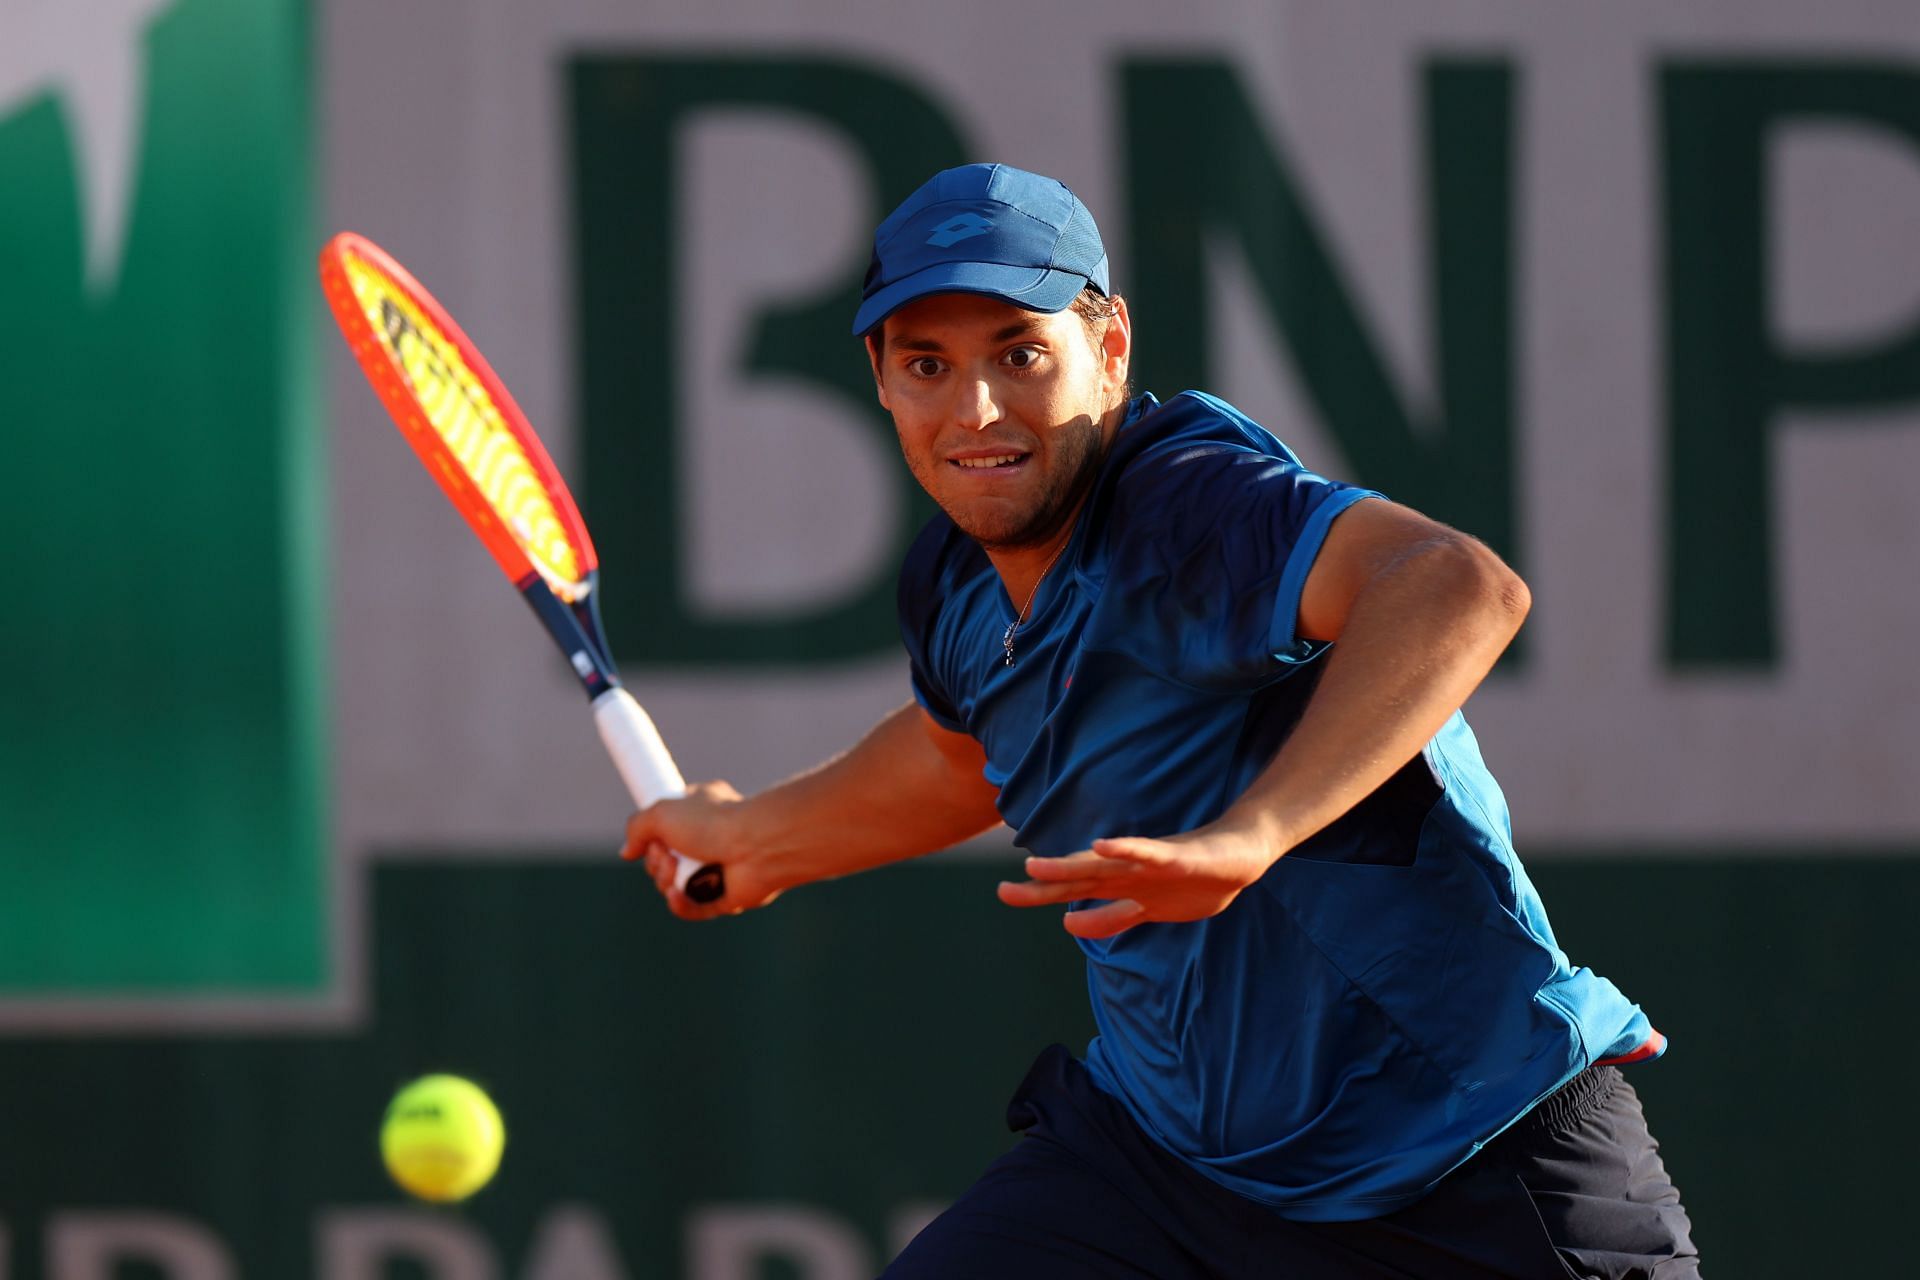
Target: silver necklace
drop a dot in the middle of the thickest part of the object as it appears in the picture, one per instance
(1006, 640)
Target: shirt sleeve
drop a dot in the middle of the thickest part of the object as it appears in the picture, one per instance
(1213, 540)
(918, 597)
(932, 700)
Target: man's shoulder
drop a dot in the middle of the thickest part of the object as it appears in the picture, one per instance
(1163, 431)
(1174, 458)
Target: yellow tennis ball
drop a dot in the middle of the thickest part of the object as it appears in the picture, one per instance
(442, 1138)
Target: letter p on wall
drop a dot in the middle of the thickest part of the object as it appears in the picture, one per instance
(1729, 375)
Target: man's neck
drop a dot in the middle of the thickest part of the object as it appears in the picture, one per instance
(1021, 568)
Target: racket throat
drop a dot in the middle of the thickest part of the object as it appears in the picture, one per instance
(578, 629)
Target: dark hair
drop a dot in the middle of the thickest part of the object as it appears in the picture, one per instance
(1094, 309)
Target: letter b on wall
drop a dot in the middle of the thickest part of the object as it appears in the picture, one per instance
(629, 115)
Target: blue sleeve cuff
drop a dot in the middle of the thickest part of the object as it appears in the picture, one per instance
(940, 716)
(1293, 579)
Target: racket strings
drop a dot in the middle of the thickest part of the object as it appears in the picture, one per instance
(462, 413)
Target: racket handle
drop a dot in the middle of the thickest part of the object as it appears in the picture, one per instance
(650, 774)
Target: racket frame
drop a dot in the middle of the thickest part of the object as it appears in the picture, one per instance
(568, 610)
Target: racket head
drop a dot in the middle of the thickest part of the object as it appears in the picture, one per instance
(459, 417)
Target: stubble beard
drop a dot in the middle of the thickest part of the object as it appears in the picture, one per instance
(1081, 449)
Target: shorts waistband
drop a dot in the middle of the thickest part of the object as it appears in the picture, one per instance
(1570, 1101)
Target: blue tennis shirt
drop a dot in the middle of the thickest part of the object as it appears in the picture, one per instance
(1389, 996)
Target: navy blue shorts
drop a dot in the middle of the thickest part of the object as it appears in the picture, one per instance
(1576, 1188)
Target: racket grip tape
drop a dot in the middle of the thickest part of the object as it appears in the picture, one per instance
(647, 768)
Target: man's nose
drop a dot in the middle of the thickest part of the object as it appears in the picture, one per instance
(978, 407)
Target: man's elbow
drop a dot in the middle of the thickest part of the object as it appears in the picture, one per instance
(1483, 580)
(1504, 593)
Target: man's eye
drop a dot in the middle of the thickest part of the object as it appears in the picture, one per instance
(1023, 357)
(925, 366)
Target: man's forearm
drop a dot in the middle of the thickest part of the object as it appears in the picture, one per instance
(894, 795)
(1420, 637)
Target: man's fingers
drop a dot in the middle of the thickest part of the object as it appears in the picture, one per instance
(1133, 850)
(1105, 920)
(1075, 866)
(1116, 856)
(1027, 893)
(637, 839)
(1088, 874)
(687, 909)
(663, 869)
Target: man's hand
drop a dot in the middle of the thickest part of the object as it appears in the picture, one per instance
(907, 788)
(1185, 877)
(699, 825)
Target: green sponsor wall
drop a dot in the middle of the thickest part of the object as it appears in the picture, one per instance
(850, 1052)
(159, 656)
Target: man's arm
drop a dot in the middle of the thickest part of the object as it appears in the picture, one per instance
(1419, 612)
(908, 788)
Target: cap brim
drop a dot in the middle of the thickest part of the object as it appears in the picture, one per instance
(1032, 289)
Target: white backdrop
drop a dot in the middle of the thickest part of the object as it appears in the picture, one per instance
(445, 130)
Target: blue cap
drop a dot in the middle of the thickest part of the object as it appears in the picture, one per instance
(984, 228)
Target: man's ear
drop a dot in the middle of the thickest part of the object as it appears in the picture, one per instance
(1116, 347)
(873, 362)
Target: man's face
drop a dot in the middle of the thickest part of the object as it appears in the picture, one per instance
(1003, 414)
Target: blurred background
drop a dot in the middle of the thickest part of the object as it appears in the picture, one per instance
(296, 802)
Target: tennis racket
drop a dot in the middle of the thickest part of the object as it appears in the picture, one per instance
(476, 443)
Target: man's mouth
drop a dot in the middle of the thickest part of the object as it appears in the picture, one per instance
(987, 461)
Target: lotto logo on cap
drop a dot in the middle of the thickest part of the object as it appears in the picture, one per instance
(954, 230)
(984, 228)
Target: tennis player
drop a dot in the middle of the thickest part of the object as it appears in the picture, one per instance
(1216, 696)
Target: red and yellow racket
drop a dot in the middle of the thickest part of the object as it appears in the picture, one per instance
(477, 444)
